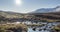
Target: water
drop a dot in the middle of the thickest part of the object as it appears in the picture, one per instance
(47, 27)
(30, 30)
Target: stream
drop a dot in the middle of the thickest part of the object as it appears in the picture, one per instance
(46, 28)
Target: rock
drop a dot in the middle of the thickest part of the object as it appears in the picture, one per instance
(34, 29)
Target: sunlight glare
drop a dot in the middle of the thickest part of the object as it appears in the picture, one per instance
(18, 2)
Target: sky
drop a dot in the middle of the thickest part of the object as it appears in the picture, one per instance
(27, 5)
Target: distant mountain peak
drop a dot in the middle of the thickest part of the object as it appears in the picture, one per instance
(46, 10)
(58, 7)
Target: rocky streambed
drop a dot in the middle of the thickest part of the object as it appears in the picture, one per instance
(48, 27)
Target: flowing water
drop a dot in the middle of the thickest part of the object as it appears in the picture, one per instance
(45, 28)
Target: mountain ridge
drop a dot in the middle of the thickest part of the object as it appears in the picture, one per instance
(47, 10)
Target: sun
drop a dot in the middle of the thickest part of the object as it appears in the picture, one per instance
(18, 2)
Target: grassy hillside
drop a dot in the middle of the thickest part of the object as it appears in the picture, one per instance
(12, 16)
(13, 28)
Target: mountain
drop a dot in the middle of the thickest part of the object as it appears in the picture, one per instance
(8, 14)
(47, 13)
(47, 10)
(12, 16)
(43, 13)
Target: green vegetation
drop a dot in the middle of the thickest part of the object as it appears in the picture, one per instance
(53, 20)
(50, 20)
(8, 16)
(35, 25)
(12, 27)
(57, 27)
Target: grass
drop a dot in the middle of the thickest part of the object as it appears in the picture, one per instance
(5, 27)
(36, 24)
(57, 27)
